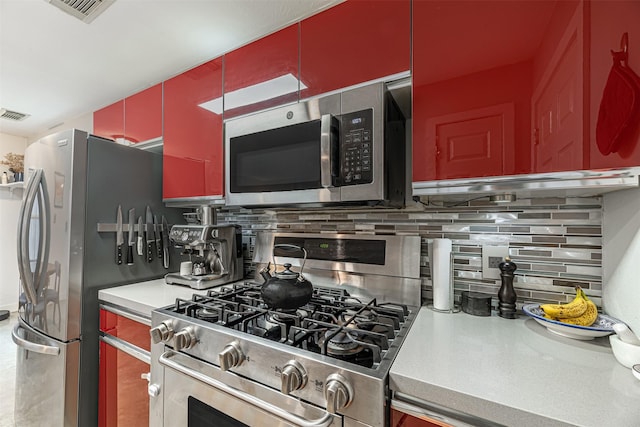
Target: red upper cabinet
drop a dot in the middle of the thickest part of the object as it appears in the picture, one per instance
(354, 42)
(143, 115)
(108, 122)
(262, 74)
(497, 88)
(193, 152)
(137, 118)
(609, 21)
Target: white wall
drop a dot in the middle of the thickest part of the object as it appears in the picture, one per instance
(9, 278)
(84, 123)
(621, 256)
(9, 207)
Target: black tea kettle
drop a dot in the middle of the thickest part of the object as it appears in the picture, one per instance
(286, 289)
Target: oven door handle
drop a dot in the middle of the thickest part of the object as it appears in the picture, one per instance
(166, 360)
(328, 150)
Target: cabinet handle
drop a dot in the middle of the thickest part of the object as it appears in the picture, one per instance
(130, 349)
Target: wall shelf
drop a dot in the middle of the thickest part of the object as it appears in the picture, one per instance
(11, 187)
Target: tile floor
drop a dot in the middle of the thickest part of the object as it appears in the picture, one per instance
(7, 370)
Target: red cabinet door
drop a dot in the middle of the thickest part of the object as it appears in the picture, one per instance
(193, 153)
(143, 115)
(354, 42)
(400, 419)
(123, 397)
(609, 20)
(108, 122)
(470, 57)
(262, 74)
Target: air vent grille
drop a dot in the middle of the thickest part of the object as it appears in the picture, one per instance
(84, 10)
(12, 115)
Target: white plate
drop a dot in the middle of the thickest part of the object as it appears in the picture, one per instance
(603, 325)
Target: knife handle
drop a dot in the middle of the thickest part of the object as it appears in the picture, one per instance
(149, 250)
(130, 255)
(118, 254)
(159, 247)
(165, 257)
(140, 244)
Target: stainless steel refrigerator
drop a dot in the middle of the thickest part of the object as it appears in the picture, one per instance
(73, 182)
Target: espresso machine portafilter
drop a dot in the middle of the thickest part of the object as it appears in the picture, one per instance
(215, 252)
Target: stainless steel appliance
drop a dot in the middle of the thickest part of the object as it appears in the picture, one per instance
(344, 147)
(225, 358)
(215, 252)
(73, 182)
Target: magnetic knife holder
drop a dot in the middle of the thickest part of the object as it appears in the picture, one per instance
(111, 227)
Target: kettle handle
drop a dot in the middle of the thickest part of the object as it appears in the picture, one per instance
(289, 247)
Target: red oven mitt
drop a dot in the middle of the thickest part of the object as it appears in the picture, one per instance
(619, 108)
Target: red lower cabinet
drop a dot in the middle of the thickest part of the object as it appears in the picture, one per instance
(123, 398)
(400, 419)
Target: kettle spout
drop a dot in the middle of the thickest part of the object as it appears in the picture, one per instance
(264, 272)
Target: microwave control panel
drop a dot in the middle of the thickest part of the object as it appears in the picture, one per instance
(356, 148)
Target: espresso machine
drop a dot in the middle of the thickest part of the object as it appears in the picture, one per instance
(215, 255)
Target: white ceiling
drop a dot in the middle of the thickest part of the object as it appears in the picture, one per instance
(55, 67)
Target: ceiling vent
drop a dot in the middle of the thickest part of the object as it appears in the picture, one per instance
(84, 10)
(12, 115)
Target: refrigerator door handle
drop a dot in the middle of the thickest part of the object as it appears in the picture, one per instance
(32, 346)
(26, 208)
(44, 236)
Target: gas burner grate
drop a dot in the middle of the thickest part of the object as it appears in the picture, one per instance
(333, 323)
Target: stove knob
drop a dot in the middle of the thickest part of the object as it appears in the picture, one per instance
(161, 333)
(338, 393)
(293, 377)
(184, 339)
(153, 390)
(231, 356)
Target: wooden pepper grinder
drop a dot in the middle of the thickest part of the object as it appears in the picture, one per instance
(507, 295)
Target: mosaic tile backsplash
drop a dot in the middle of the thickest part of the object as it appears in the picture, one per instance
(555, 242)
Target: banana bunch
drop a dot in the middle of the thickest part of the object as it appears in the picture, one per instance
(581, 311)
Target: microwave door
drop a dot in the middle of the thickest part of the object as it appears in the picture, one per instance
(285, 165)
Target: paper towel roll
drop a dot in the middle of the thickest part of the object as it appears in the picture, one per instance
(440, 262)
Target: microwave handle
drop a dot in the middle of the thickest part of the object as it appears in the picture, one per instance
(328, 149)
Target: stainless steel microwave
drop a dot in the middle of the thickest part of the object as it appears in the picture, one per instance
(346, 147)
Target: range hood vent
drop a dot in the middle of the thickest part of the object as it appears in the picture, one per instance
(12, 115)
(84, 10)
(584, 183)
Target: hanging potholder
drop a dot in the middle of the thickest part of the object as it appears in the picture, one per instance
(619, 108)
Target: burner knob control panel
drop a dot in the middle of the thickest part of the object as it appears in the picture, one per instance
(293, 377)
(231, 356)
(338, 392)
(161, 333)
(184, 339)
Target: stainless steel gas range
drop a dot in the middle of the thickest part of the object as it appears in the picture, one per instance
(228, 359)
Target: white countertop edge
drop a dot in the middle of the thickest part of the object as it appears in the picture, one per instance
(144, 297)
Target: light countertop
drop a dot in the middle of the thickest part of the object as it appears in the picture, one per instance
(514, 372)
(143, 297)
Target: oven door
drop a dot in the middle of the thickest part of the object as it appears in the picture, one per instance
(284, 156)
(194, 395)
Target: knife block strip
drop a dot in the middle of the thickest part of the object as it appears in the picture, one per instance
(111, 227)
